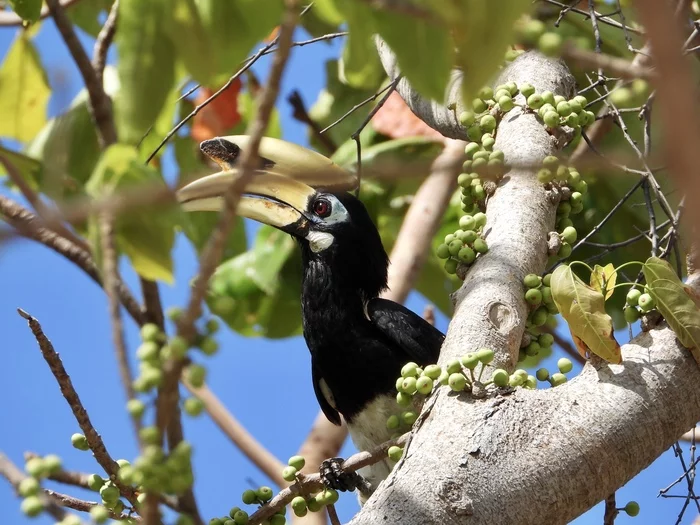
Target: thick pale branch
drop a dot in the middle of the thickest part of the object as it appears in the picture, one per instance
(542, 456)
(434, 114)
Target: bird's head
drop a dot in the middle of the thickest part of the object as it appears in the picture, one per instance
(304, 194)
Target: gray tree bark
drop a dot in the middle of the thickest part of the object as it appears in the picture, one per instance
(530, 457)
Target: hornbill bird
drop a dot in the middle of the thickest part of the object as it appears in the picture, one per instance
(358, 341)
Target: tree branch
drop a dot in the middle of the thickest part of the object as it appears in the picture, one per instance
(465, 464)
(111, 279)
(618, 66)
(94, 439)
(47, 215)
(29, 226)
(100, 104)
(14, 475)
(104, 40)
(312, 482)
(677, 95)
(85, 506)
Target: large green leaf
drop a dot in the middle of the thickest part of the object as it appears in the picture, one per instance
(24, 91)
(584, 311)
(404, 158)
(146, 237)
(360, 65)
(674, 302)
(146, 66)
(27, 167)
(257, 293)
(424, 52)
(68, 150)
(481, 36)
(28, 10)
(87, 15)
(336, 99)
(235, 26)
(196, 51)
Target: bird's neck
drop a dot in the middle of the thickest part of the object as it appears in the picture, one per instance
(331, 294)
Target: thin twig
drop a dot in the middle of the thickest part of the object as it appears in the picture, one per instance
(99, 102)
(602, 19)
(29, 226)
(85, 506)
(332, 515)
(619, 66)
(93, 438)
(313, 482)
(678, 95)
(206, 102)
(111, 278)
(300, 114)
(611, 511)
(42, 210)
(356, 107)
(104, 40)
(14, 476)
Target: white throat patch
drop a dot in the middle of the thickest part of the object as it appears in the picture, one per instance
(319, 241)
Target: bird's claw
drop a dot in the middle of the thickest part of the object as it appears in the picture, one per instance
(335, 477)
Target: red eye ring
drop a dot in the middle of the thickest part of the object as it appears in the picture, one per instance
(322, 208)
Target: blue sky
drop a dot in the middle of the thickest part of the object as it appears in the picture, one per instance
(73, 312)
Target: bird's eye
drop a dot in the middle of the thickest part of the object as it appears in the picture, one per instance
(322, 208)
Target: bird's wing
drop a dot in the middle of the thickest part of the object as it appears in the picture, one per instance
(330, 412)
(419, 339)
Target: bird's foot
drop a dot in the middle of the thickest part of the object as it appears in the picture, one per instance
(334, 476)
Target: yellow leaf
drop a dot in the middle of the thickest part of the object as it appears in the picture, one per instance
(24, 91)
(603, 278)
(584, 311)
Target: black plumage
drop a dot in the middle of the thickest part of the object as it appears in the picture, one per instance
(358, 341)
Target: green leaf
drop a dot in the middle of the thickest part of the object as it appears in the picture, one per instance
(68, 150)
(583, 308)
(424, 52)
(24, 91)
(260, 288)
(481, 36)
(146, 237)
(674, 302)
(28, 10)
(196, 51)
(334, 101)
(235, 26)
(360, 66)
(28, 168)
(198, 225)
(399, 158)
(146, 66)
(603, 279)
(87, 15)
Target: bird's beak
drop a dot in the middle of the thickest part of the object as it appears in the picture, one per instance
(279, 191)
